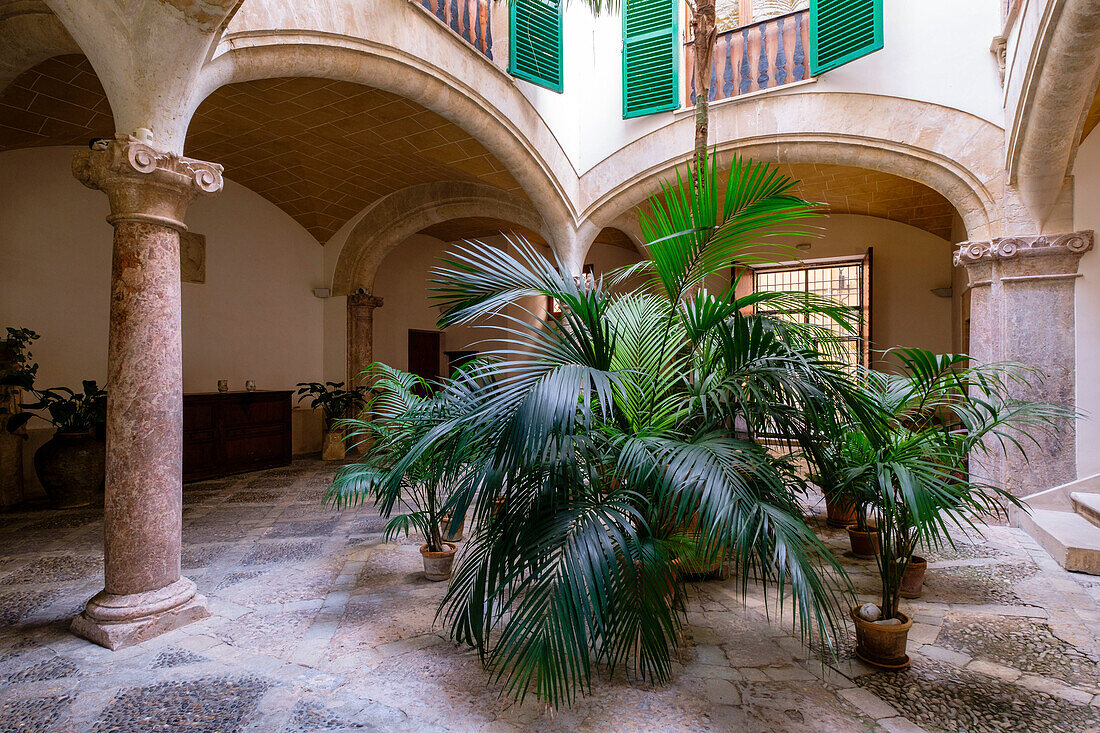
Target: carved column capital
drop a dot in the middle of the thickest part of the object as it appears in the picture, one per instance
(143, 183)
(364, 300)
(1008, 248)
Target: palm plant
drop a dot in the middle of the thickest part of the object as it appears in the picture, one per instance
(942, 410)
(401, 410)
(594, 442)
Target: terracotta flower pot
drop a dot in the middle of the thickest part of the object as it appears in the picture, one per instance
(444, 525)
(864, 544)
(437, 565)
(912, 581)
(332, 446)
(839, 512)
(72, 468)
(882, 645)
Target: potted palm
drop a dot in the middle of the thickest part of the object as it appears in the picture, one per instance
(588, 447)
(940, 410)
(17, 373)
(335, 403)
(72, 464)
(414, 493)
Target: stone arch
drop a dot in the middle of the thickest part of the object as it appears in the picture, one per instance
(32, 34)
(952, 152)
(1054, 95)
(394, 218)
(481, 99)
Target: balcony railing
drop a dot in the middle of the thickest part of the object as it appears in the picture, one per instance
(765, 55)
(470, 19)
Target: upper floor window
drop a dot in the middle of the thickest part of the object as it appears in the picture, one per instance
(730, 14)
(651, 60)
(535, 27)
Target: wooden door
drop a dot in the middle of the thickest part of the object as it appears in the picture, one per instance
(424, 353)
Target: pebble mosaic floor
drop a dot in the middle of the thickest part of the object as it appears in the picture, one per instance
(318, 625)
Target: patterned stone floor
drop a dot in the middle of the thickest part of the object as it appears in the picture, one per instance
(319, 626)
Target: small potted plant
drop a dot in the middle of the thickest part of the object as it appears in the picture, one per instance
(72, 464)
(939, 411)
(830, 476)
(407, 483)
(17, 373)
(336, 403)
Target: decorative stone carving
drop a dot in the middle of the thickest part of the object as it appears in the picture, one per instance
(144, 594)
(1021, 291)
(192, 257)
(1003, 248)
(144, 184)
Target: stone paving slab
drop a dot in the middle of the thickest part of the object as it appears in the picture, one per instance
(318, 625)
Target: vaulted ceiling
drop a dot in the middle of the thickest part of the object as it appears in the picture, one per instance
(324, 150)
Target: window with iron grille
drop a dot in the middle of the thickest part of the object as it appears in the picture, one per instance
(847, 283)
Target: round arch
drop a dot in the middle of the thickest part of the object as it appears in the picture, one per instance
(508, 126)
(394, 218)
(955, 153)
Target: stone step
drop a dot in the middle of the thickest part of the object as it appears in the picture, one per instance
(1087, 505)
(1069, 538)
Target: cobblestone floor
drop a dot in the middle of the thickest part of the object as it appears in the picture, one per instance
(319, 626)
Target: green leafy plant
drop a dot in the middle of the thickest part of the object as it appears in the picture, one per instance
(913, 477)
(72, 412)
(605, 447)
(403, 412)
(336, 402)
(17, 372)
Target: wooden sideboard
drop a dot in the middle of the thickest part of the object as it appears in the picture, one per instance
(234, 432)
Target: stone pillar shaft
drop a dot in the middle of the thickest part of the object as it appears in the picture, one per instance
(144, 594)
(360, 334)
(1022, 310)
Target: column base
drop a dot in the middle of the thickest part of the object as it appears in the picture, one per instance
(117, 621)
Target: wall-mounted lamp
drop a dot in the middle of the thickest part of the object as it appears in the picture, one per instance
(804, 246)
(322, 293)
(943, 292)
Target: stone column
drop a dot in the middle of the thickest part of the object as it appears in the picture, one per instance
(1022, 310)
(144, 594)
(360, 334)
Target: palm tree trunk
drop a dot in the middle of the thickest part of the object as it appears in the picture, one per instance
(704, 35)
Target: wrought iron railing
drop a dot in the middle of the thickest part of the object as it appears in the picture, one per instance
(764, 55)
(471, 19)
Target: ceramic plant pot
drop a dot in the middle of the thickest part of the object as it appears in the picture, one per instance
(839, 512)
(332, 449)
(912, 581)
(445, 524)
(437, 565)
(72, 468)
(882, 644)
(864, 544)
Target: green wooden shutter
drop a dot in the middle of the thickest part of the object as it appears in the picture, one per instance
(651, 62)
(535, 27)
(843, 31)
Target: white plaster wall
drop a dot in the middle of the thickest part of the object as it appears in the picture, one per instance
(906, 264)
(1086, 215)
(935, 51)
(255, 317)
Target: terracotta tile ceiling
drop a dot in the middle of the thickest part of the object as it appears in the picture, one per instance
(456, 230)
(320, 150)
(323, 150)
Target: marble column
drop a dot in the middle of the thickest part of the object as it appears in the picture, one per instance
(1022, 310)
(144, 594)
(360, 334)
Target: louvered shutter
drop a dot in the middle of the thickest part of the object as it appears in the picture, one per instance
(650, 60)
(536, 31)
(843, 31)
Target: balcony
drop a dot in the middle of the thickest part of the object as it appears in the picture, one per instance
(470, 19)
(764, 55)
